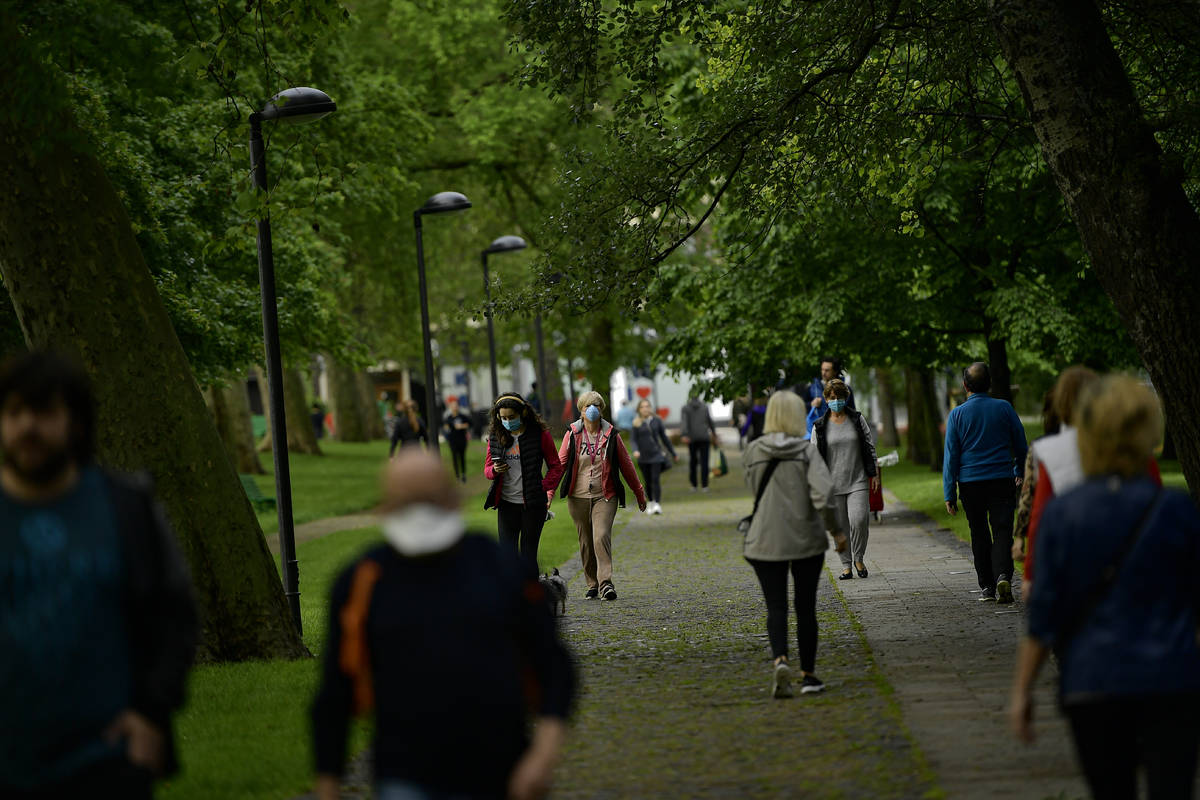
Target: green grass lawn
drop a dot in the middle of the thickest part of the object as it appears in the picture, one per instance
(245, 730)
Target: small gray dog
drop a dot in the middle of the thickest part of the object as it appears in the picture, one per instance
(555, 587)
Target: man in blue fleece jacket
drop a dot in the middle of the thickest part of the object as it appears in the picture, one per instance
(984, 456)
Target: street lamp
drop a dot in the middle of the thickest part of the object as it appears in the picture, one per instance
(501, 245)
(300, 104)
(440, 203)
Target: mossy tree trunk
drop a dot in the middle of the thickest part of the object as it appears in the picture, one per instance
(369, 398)
(301, 438)
(349, 417)
(1141, 233)
(924, 419)
(79, 283)
(231, 413)
(889, 437)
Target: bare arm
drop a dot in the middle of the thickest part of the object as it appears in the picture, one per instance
(1031, 654)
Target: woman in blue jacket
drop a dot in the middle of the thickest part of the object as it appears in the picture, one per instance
(1119, 603)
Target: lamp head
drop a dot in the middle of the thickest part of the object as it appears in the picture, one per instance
(445, 202)
(298, 104)
(505, 244)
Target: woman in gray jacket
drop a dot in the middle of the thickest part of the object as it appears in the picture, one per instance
(787, 533)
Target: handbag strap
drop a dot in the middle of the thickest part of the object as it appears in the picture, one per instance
(1108, 577)
(762, 486)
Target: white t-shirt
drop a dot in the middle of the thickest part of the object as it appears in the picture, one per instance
(512, 489)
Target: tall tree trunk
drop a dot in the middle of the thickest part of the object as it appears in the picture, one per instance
(601, 360)
(79, 283)
(924, 437)
(301, 438)
(349, 419)
(369, 398)
(1141, 234)
(231, 412)
(890, 437)
(998, 366)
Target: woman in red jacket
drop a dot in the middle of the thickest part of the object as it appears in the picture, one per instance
(589, 451)
(518, 445)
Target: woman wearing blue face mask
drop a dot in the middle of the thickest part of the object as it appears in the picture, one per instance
(594, 461)
(518, 444)
(846, 442)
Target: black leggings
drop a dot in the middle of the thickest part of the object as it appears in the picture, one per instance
(459, 456)
(651, 473)
(772, 576)
(1114, 737)
(520, 526)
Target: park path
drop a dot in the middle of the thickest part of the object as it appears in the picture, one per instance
(675, 698)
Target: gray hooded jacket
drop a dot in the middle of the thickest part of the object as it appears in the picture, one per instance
(797, 505)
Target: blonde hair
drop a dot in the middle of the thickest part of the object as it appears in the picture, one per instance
(1119, 422)
(1068, 389)
(637, 413)
(590, 399)
(785, 414)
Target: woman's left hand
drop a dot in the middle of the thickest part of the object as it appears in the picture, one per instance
(875, 484)
(641, 505)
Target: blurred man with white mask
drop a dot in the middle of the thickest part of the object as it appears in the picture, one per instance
(409, 622)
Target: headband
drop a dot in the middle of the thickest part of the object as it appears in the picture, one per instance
(508, 397)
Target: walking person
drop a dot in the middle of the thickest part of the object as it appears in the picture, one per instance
(519, 443)
(1116, 601)
(648, 432)
(793, 508)
(456, 425)
(831, 368)
(982, 462)
(846, 443)
(595, 460)
(98, 625)
(407, 427)
(406, 622)
(698, 433)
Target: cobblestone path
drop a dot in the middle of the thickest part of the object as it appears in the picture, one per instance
(676, 676)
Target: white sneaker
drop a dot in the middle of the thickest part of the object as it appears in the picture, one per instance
(658, 508)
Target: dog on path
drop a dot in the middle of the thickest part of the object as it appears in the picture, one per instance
(555, 587)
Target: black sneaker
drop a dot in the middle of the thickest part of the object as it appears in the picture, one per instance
(987, 595)
(591, 594)
(811, 684)
(609, 593)
(1003, 590)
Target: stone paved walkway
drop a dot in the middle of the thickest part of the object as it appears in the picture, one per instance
(949, 658)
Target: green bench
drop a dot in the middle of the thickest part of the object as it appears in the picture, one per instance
(257, 499)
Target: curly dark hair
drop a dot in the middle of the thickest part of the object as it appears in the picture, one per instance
(516, 402)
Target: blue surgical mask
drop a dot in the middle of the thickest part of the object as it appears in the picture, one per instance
(837, 405)
(592, 413)
(511, 424)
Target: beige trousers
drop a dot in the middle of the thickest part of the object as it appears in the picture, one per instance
(593, 522)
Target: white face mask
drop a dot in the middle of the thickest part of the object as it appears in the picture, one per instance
(421, 529)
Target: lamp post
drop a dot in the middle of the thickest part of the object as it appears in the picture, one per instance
(300, 104)
(501, 245)
(440, 203)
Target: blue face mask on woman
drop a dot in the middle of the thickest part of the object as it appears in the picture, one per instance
(511, 424)
(591, 413)
(837, 406)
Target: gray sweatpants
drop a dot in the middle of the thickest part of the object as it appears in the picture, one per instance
(854, 514)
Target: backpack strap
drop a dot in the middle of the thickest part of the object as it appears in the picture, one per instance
(354, 658)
